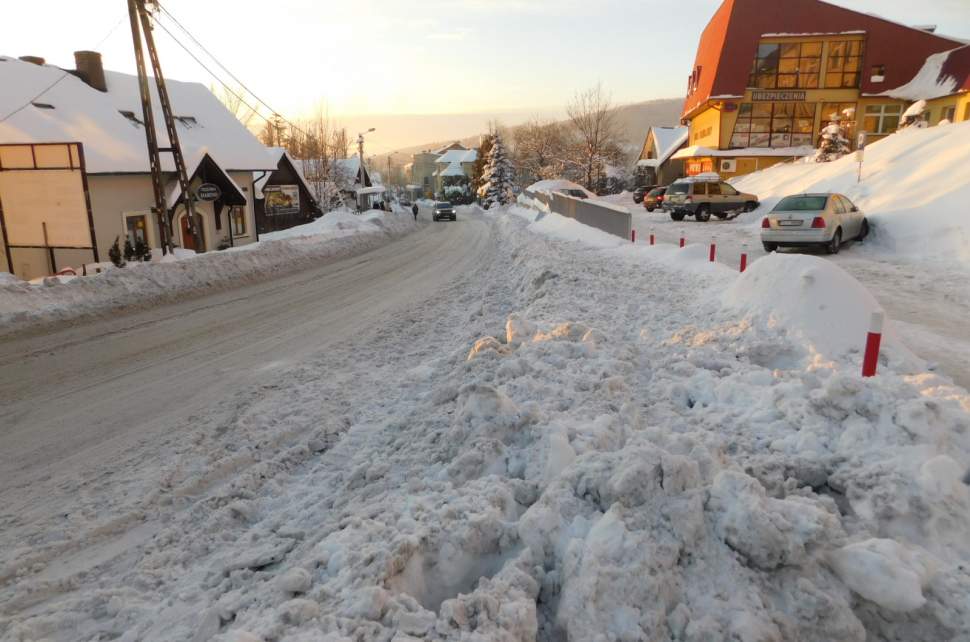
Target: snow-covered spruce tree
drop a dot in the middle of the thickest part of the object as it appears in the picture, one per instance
(114, 253)
(833, 143)
(499, 176)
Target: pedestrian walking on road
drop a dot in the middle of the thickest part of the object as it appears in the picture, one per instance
(414, 210)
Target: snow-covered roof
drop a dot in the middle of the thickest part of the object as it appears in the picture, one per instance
(376, 189)
(942, 74)
(667, 140)
(276, 154)
(453, 169)
(695, 151)
(458, 156)
(173, 188)
(114, 142)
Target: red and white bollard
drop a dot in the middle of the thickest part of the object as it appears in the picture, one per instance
(871, 357)
(683, 241)
(744, 257)
(633, 236)
(652, 239)
(713, 254)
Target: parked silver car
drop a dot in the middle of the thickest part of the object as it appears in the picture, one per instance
(813, 219)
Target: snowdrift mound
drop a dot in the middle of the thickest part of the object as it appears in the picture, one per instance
(812, 298)
(914, 191)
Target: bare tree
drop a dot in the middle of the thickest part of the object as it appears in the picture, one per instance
(232, 98)
(594, 120)
(540, 149)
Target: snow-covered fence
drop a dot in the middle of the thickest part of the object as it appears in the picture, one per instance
(603, 216)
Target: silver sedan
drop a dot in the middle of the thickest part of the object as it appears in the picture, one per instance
(825, 220)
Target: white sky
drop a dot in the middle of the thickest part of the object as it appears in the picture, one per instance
(361, 57)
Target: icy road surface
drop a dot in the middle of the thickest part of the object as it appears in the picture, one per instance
(480, 433)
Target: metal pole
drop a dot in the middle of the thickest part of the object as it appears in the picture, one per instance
(173, 137)
(160, 209)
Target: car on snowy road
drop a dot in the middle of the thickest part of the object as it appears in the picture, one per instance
(825, 220)
(654, 199)
(706, 194)
(443, 210)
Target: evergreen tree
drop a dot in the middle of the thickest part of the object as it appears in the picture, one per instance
(833, 144)
(478, 169)
(142, 251)
(114, 253)
(499, 176)
(129, 251)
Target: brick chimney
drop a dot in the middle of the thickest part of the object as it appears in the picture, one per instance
(34, 60)
(90, 69)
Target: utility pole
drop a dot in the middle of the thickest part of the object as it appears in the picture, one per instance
(138, 13)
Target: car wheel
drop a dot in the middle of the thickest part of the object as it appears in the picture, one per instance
(677, 216)
(703, 214)
(750, 206)
(649, 209)
(833, 246)
(863, 231)
(770, 247)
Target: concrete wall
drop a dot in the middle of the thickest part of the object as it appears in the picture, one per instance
(608, 218)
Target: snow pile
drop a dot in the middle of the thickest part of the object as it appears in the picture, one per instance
(914, 191)
(571, 442)
(548, 186)
(56, 300)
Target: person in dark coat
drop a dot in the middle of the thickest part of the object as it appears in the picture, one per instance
(414, 210)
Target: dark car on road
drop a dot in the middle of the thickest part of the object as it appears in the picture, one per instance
(654, 199)
(703, 196)
(443, 210)
(640, 191)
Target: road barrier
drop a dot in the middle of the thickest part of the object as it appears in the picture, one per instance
(611, 219)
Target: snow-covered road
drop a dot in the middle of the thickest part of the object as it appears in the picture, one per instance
(495, 435)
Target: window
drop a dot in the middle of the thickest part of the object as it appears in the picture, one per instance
(966, 112)
(136, 227)
(787, 66)
(840, 113)
(949, 113)
(43, 105)
(802, 204)
(878, 73)
(844, 63)
(727, 190)
(774, 125)
(188, 121)
(714, 189)
(700, 189)
(237, 216)
(882, 119)
(130, 115)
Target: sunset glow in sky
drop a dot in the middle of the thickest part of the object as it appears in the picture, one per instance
(361, 57)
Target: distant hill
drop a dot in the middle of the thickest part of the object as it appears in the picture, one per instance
(633, 121)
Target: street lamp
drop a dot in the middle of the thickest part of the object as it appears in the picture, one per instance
(360, 155)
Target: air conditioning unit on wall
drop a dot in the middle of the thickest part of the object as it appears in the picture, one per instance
(728, 165)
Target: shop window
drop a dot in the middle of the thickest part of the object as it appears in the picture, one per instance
(882, 119)
(844, 64)
(237, 216)
(794, 65)
(774, 125)
(840, 113)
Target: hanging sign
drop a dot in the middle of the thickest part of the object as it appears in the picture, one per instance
(208, 192)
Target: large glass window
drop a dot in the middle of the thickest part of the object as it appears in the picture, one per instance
(882, 119)
(844, 63)
(774, 125)
(794, 65)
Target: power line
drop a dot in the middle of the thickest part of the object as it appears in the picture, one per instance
(62, 76)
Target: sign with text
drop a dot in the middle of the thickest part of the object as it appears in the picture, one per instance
(777, 96)
(208, 192)
(281, 200)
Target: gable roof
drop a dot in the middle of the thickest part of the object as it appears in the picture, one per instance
(667, 141)
(729, 43)
(113, 142)
(458, 156)
(279, 155)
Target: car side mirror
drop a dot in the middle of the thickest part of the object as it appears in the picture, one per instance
(855, 209)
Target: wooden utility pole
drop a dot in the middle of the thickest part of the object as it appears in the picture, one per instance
(141, 25)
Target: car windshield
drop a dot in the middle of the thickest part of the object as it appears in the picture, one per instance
(443, 206)
(678, 188)
(657, 192)
(801, 204)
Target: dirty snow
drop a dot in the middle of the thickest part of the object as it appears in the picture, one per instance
(588, 445)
